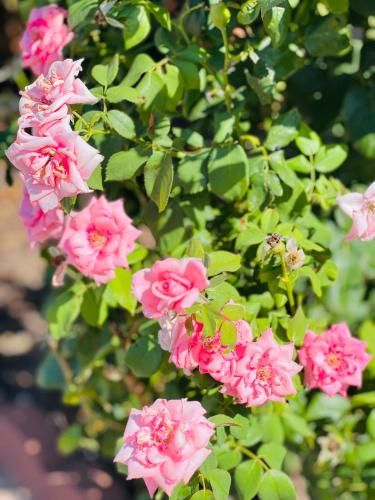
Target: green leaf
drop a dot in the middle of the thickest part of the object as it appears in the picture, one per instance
(284, 130)
(209, 464)
(144, 357)
(248, 432)
(50, 375)
(275, 485)
(297, 424)
(247, 478)
(141, 65)
(192, 172)
(159, 178)
(106, 73)
(273, 454)
(276, 21)
(150, 87)
(313, 277)
(180, 492)
(221, 261)
(125, 164)
(64, 311)
(252, 235)
(363, 399)
(79, 11)
(69, 440)
(203, 495)
(95, 181)
(300, 164)
(308, 141)
(220, 482)
(136, 25)
(228, 173)
(269, 220)
(337, 6)
(330, 157)
(122, 123)
(370, 424)
(223, 420)
(189, 73)
(326, 39)
(322, 406)
(365, 453)
(173, 81)
(228, 459)
(161, 14)
(233, 312)
(297, 327)
(68, 204)
(94, 310)
(228, 334)
(120, 287)
(124, 93)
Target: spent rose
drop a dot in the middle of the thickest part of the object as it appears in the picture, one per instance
(165, 443)
(99, 238)
(169, 285)
(334, 360)
(54, 166)
(44, 38)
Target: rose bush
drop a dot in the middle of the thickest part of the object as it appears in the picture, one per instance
(206, 290)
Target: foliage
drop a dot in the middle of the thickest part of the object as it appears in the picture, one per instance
(221, 125)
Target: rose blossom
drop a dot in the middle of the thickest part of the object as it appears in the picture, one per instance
(207, 354)
(170, 284)
(294, 256)
(46, 100)
(361, 209)
(264, 372)
(165, 443)
(41, 226)
(333, 360)
(44, 38)
(98, 239)
(54, 166)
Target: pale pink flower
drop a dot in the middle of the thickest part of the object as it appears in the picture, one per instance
(54, 166)
(190, 350)
(41, 226)
(44, 38)
(334, 360)
(165, 443)
(294, 256)
(46, 100)
(361, 209)
(169, 285)
(264, 372)
(99, 238)
(165, 334)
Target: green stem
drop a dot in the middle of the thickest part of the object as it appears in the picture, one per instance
(227, 96)
(286, 280)
(250, 454)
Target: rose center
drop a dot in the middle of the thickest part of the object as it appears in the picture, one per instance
(97, 239)
(371, 207)
(264, 373)
(334, 360)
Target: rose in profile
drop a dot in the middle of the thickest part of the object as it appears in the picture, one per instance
(44, 38)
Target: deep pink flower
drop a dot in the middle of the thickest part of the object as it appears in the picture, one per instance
(41, 226)
(361, 209)
(44, 38)
(207, 354)
(334, 360)
(46, 100)
(165, 443)
(264, 372)
(170, 284)
(54, 166)
(99, 238)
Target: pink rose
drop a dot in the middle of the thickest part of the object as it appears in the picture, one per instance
(54, 166)
(41, 226)
(98, 239)
(44, 38)
(334, 360)
(361, 209)
(165, 443)
(207, 354)
(264, 372)
(170, 284)
(46, 100)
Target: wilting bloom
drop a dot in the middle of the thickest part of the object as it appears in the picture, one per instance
(44, 38)
(361, 209)
(334, 360)
(165, 443)
(272, 242)
(54, 166)
(332, 449)
(99, 238)
(190, 350)
(41, 226)
(169, 285)
(167, 323)
(264, 373)
(294, 256)
(46, 100)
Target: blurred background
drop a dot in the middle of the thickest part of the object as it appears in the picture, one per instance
(31, 418)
